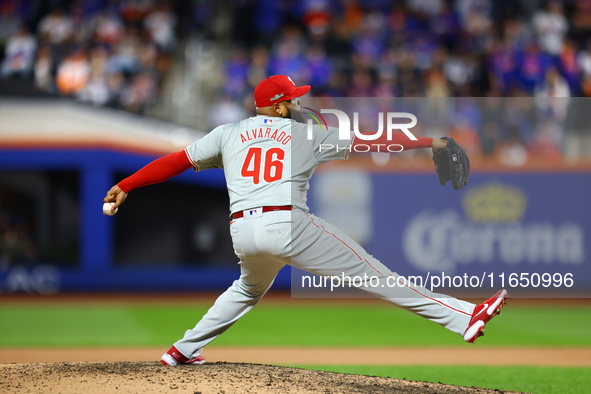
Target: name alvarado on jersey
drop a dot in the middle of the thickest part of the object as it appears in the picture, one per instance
(282, 137)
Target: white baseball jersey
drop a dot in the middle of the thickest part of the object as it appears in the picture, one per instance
(267, 161)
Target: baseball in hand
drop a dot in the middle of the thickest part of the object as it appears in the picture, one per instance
(107, 208)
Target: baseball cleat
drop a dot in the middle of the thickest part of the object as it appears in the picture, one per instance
(482, 315)
(174, 357)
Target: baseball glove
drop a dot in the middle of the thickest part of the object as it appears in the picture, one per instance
(451, 163)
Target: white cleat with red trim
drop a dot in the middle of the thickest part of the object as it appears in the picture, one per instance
(482, 315)
(174, 357)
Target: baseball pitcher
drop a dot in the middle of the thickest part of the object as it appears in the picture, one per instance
(268, 160)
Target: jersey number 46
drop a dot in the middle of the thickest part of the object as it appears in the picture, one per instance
(269, 162)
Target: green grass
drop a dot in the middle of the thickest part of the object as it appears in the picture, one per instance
(539, 380)
(280, 325)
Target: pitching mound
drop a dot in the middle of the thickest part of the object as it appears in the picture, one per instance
(229, 378)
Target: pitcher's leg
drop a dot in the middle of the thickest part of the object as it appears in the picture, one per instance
(322, 249)
(256, 278)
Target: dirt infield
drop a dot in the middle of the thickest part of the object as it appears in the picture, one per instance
(500, 356)
(214, 378)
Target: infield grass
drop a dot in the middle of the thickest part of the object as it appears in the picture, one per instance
(280, 325)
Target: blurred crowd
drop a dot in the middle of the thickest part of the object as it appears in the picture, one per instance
(117, 52)
(427, 48)
(415, 47)
(107, 53)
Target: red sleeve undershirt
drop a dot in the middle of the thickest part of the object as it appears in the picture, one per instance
(397, 139)
(157, 171)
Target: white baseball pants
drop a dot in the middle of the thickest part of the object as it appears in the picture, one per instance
(267, 243)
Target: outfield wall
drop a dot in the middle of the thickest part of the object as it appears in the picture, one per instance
(523, 230)
(501, 224)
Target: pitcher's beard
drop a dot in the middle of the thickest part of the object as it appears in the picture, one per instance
(296, 115)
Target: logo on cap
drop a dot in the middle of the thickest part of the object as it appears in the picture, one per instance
(277, 97)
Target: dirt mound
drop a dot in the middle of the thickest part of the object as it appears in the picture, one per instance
(212, 378)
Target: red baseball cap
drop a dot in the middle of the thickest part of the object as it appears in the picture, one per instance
(277, 88)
